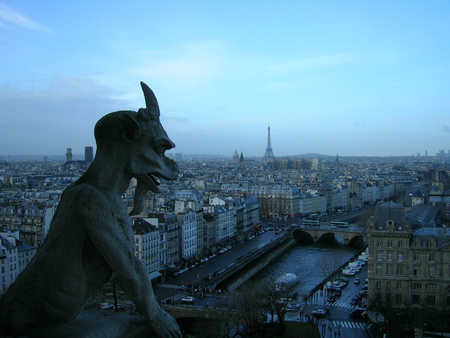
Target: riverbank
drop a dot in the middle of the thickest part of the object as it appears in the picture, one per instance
(260, 264)
(305, 262)
(332, 276)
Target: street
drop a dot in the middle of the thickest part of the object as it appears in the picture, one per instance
(201, 271)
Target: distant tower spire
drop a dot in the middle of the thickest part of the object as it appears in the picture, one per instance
(268, 156)
(236, 156)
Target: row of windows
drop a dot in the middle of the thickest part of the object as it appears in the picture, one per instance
(429, 300)
(391, 269)
(388, 256)
(389, 284)
(390, 243)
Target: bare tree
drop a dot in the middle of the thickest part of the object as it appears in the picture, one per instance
(276, 298)
(247, 311)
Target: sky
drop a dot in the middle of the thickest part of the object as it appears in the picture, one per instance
(346, 77)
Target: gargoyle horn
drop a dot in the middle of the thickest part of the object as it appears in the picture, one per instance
(150, 100)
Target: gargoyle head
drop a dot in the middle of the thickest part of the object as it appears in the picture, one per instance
(142, 141)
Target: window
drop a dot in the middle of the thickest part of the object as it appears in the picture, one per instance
(388, 269)
(431, 257)
(379, 257)
(388, 284)
(417, 286)
(415, 299)
(378, 268)
(378, 284)
(431, 300)
(431, 270)
(388, 298)
(400, 243)
(400, 257)
(399, 284)
(398, 299)
(389, 257)
(431, 286)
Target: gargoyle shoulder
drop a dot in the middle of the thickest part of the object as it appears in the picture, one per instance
(88, 201)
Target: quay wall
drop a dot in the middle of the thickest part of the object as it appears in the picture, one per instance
(260, 264)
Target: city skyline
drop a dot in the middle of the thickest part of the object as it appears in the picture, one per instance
(353, 79)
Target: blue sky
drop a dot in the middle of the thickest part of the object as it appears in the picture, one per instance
(347, 77)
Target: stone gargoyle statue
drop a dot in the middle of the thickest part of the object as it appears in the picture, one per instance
(90, 239)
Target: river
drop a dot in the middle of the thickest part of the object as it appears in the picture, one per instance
(310, 263)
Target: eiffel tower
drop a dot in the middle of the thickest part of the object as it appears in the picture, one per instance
(268, 156)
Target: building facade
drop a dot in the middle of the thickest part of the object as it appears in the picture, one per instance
(146, 237)
(14, 257)
(407, 267)
(31, 220)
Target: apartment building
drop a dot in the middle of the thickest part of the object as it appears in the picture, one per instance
(407, 267)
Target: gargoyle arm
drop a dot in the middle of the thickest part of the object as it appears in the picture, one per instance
(113, 244)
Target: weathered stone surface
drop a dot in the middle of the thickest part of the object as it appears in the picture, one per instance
(100, 324)
(90, 239)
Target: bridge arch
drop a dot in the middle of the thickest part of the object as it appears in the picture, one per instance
(303, 237)
(357, 241)
(327, 238)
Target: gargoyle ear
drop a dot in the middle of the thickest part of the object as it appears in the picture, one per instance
(131, 129)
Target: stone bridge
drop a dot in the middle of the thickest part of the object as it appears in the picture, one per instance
(349, 234)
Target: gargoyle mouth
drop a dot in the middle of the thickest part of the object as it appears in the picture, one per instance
(155, 179)
(152, 180)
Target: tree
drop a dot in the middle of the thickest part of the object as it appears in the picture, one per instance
(247, 311)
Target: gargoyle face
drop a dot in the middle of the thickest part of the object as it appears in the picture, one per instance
(147, 147)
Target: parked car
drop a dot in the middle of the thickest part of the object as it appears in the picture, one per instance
(332, 299)
(105, 306)
(293, 307)
(187, 299)
(320, 312)
(356, 281)
(359, 314)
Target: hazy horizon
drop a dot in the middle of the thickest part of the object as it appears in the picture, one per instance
(354, 79)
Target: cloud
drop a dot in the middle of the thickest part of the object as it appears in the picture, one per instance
(186, 66)
(174, 118)
(310, 63)
(48, 118)
(12, 17)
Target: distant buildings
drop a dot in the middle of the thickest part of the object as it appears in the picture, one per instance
(88, 154)
(14, 257)
(277, 200)
(32, 221)
(69, 154)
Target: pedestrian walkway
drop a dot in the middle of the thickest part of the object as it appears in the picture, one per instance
(349, 324)
(342, 305)
(334, 328)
